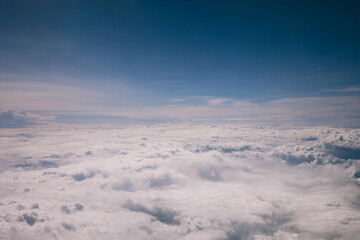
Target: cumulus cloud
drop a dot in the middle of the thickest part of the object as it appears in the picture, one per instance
(179, 181)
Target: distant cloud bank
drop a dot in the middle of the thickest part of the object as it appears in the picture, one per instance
(75, 103)
(21, 119)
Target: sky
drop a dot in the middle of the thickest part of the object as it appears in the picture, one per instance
(205, 120)
(129, 59)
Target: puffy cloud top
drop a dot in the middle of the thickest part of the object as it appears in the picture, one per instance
(179, 181)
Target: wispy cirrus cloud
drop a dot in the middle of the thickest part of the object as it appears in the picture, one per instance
(340, 111)
(22, 95)
(219, 101)
(51, 92)
(344, 90)
(178, 100)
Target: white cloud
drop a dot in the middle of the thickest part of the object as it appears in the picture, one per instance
(218, 101)
(179, 181)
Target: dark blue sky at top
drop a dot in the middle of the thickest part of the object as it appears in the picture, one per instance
(239, 49)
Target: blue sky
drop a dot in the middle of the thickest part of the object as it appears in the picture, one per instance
(163, 53)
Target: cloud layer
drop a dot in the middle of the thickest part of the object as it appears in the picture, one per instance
(179, 181)
(72, 102)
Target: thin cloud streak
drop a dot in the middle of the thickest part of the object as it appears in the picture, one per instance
(219, 101)
(344, 90)
(51, 98)
(45, 96)
(326, 110)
